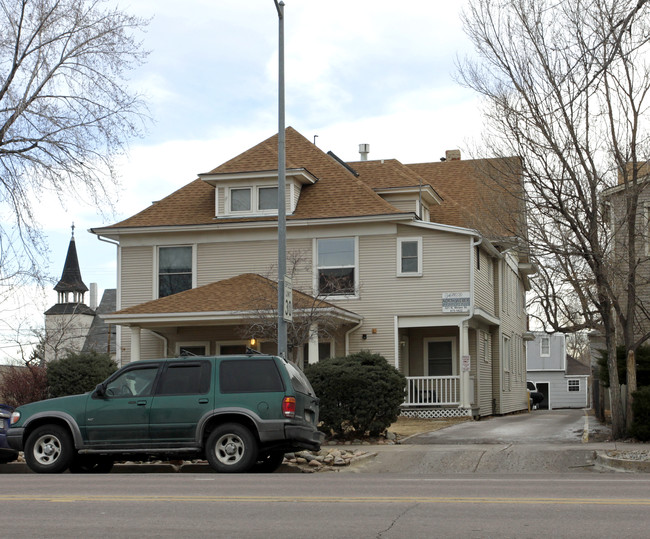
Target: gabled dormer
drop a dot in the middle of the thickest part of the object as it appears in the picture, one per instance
(255, 194)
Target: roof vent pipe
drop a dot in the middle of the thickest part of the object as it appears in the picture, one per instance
(364, 150)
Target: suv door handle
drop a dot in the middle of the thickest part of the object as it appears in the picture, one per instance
(203, 401)
(141, 403)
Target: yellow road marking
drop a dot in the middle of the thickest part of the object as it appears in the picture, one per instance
(330, 499)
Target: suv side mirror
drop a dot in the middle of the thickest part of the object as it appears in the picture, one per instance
(100, 390)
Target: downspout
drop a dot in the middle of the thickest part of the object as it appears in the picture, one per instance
(164, 339)
(118, 299)
(347, 337)
(464, 342)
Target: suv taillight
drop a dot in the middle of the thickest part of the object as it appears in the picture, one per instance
(289, 406)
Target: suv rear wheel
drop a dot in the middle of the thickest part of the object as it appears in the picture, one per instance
(231, 448)
(49, 449)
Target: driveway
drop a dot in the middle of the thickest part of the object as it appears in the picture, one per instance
(537, 427)
(556, 441)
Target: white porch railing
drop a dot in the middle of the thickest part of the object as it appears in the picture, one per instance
(432, 390)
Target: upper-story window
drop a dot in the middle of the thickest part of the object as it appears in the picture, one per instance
(337, 266)
(267, 198)
(409, 257)
(240, 200)
(545, 346)
(248, 199)
(174, 270)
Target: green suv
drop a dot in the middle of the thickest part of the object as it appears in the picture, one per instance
(241, 413)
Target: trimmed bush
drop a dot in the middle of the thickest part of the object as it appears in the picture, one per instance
(359, 394)
(640, 428)
(78, 373)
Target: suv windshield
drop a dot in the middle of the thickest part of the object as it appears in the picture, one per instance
(299, 380)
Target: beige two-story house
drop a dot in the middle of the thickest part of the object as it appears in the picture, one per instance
(420, 263)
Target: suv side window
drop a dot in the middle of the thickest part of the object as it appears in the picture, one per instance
(185, 378)
(133, 382)
(249, 376)
(299, 381)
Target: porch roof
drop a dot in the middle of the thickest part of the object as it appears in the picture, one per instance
(229, 301)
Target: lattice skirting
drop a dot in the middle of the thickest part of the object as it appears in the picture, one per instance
(436, 413)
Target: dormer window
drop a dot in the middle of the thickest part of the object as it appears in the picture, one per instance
(240, 200)
(251, 194)
(267, 199)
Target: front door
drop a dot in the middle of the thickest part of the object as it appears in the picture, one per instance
(121, 415)
(440, 357)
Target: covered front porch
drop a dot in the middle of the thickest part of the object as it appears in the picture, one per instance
(230, 317)
(439, 357)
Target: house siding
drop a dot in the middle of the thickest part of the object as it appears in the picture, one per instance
(559, 394)
(136, 275)
(445, 259)
(509, 381)
(484, 284)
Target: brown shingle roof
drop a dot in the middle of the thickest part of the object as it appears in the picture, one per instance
(479, 193)
(337, 193)
(246, 292)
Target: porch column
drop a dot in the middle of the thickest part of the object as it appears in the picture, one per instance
(135, 343)
(313, 343)
(464, 366)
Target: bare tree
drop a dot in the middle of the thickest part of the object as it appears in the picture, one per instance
(312, 316)
(66, 112)
(565, 86)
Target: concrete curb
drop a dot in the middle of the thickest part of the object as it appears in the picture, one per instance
(622, 465)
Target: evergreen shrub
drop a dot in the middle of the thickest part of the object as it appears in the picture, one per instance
(640, 428)
(359, 394)
(78, 373)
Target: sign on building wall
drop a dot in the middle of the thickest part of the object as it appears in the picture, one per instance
(455, 302)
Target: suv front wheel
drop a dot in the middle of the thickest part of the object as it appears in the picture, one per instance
(231, 448)
(49, 449)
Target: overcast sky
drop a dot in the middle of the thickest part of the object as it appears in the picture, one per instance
(357, 71)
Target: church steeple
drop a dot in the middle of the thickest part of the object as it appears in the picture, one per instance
(71, 287)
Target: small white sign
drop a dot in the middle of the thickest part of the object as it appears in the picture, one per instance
(287, 315)
(455, 302)
(466, 364)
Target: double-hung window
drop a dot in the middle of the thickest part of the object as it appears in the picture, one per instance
(337, 266)
(267, 198)
(409, 257)
(174, 270)
(240, 200)
(253, 199)
(545, 347)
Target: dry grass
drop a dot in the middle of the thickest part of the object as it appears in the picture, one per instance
(408, 426)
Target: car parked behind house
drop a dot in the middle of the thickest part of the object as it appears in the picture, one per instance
(535, 396)
(7, 454)
(238, 412)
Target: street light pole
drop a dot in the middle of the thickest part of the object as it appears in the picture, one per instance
(282, 173)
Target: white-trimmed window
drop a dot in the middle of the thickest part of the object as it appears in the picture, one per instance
(506, 354)
(545, 346)
(267, 199)
(251, 200)
(337, 266)
(573, 385)
(194, 348)
(440, 356)
(240, 199)
(174, 269)
(409, 257)
(232, 347)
